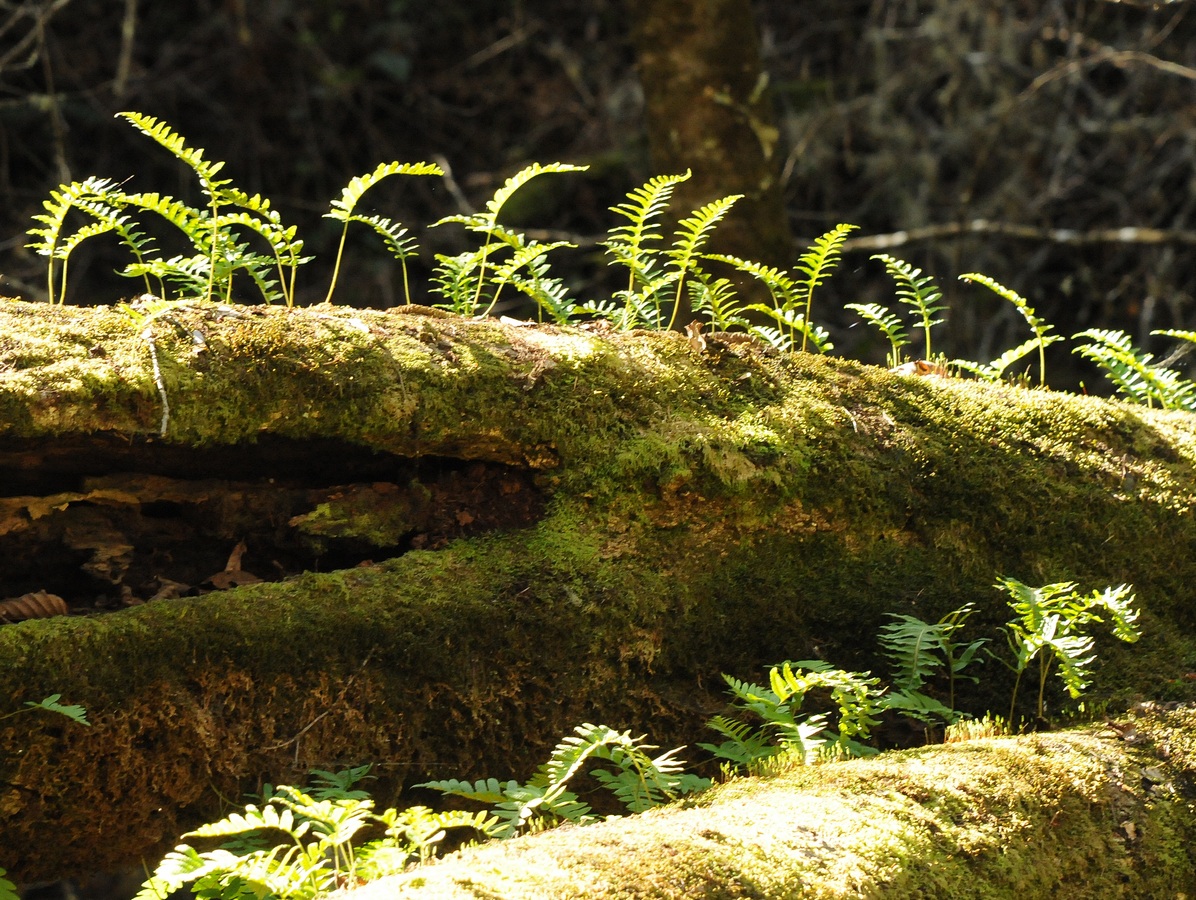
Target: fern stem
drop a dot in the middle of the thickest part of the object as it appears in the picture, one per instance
(676, 301)
(477, 297)
(1013, 700)
(336, 267)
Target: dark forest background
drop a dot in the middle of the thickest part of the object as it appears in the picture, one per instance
(1050, 145)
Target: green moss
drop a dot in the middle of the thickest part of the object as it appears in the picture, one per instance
(1036, 816)
(705, 514)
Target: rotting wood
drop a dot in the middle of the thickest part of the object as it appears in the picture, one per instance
(694, 512)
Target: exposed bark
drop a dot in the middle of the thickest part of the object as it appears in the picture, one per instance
(708, 108)
(1085, 814)
(527, 528)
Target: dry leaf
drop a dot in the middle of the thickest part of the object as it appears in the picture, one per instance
(36, 605)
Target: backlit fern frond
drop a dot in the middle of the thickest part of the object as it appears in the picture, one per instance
(1037, 325)
(818, 261)
(392, 233)
(917, 291)
(1134, 373)
(174, 142)
(692, 234)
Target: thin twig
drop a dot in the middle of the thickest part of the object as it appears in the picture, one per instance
(1127, 235)
(310, 725)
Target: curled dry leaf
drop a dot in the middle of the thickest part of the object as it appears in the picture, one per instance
(35, 605)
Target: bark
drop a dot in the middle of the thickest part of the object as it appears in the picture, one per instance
(1096, 813)
(471, 537)
(708, 108)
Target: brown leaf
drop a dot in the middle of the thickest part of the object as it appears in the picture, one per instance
(222, 581)
(36, 605)
(234, 558)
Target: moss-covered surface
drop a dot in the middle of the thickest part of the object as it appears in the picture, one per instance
(703, 513)
(1082, 814)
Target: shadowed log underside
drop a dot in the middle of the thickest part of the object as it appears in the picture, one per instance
(329, 536)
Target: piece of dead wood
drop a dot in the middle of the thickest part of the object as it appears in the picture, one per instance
(34, 605)
(233, 575)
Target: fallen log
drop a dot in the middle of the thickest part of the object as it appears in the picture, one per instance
(294, 538)
(1099, 812)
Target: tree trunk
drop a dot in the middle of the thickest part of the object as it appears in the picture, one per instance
(708, 108)
(471, 537)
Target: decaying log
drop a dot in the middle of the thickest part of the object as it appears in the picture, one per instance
(1094, 813)
(472, 537)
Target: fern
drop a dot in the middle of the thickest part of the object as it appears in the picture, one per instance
(917, 291)
(462, 277)
(638, 781)
(629, 244)
(1037, 325)
(792, 298)
(919, 650)
(887, 323)
(1134, 373)
(395, 236)
(50, 240)
(994, 371)
(715, 298)
(296, 844)
(817, 263)
(692, 233)
(205, 170)
(1048, 623)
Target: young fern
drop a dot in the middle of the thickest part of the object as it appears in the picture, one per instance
(785, 293)
(692, 233)
(917, 291)
(994, 371)
(629, 245)
(87, 195)
(1134, 373)
(394, 234)
(919, 650)
(817, 263)
(469, 270)
(887, 323)
(639, 781)
(1040, 328)
(1048, 624)
(204, 170)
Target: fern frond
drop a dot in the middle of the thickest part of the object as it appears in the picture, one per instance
(914, 647)
(692, 234)
(1177, 333)
(495, 204)
(343, 208)
(1134, 373)
(628, 245)
(818, 262)
(780, 284)
(792, 323)
(1037, 325)
(917, 291)
(487, 223)
(887, 323)
(995, 370)
(57, 208)
(176, 144)
(716, 298)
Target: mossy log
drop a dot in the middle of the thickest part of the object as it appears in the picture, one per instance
(1094, 813)
(468, 537)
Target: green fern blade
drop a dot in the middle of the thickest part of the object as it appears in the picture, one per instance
(342, 208)
(822, 256)
(176, 144)
(522, 177)
(487, 790)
